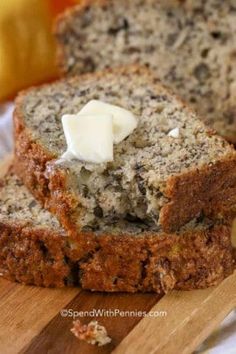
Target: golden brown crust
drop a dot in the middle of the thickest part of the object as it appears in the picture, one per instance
(155, 264)
(32, 256)
(43, 257)
(213, 189)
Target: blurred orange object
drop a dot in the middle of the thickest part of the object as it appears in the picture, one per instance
(58, 6)
(27, 47)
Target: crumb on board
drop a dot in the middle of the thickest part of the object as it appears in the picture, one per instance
(92, 333)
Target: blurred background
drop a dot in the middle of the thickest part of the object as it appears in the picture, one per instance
(27, 53)
(27, 47)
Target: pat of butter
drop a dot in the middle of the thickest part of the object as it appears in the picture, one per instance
(124, 122)
(89, 137)
(174, 133)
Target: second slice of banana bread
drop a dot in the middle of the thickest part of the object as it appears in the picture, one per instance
(127, 256)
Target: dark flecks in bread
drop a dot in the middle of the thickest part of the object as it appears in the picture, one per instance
(190, 45)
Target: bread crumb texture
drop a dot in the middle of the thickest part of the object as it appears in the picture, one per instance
(154, 177)
(191, 46)
(35, 250)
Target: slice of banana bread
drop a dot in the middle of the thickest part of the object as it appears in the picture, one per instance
(154, 177)
(126, 256)
(191, 45)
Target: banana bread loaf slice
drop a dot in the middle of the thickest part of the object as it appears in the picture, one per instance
(154, 177)
(126, 256)
(191, 46)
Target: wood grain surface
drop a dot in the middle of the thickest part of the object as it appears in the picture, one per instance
(31, 319)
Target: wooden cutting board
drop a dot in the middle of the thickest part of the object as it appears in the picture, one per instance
(32, 320)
